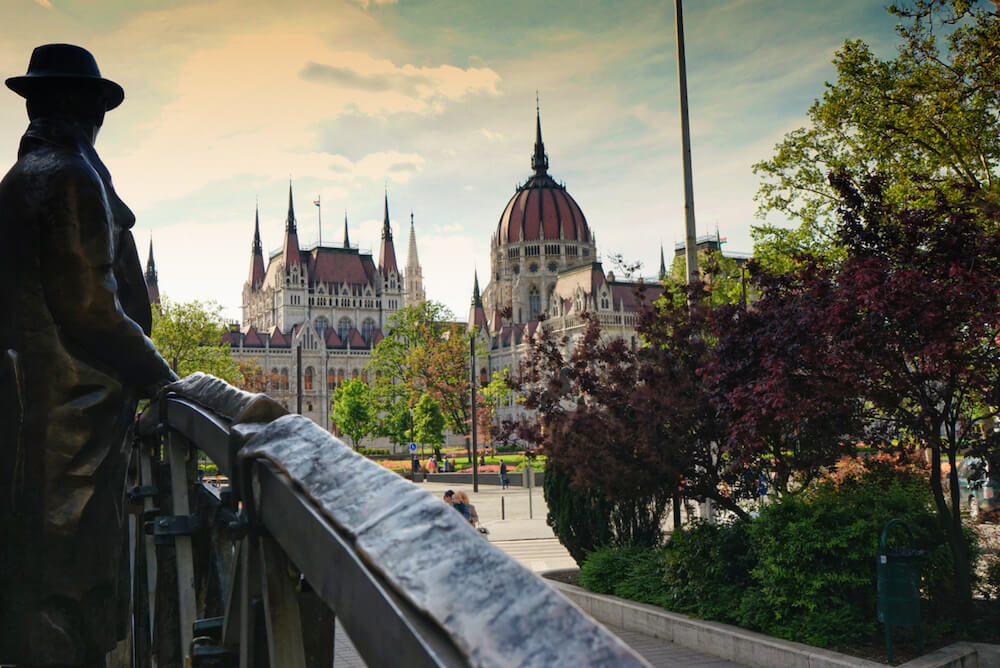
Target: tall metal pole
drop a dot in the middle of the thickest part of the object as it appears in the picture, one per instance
(690, 235)
(298, 379)
(472, 392)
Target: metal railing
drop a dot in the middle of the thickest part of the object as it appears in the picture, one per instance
(253, 574)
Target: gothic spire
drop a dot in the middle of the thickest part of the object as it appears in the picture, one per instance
(414, 275)
(476, 299)
(539, 161)
(291, 254)
(386, 230)
(387, 251)
(256, 255)
(152, 287)
(411, 251)
(290, 221)
(347, 239)
(663, 265)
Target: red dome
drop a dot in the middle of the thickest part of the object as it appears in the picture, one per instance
(542, 210)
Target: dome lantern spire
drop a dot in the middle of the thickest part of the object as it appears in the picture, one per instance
(539, 161)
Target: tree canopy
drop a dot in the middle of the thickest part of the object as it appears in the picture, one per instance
(352, 410)
(428, 423)
(925, 120)
(424, 351)
(189, 337)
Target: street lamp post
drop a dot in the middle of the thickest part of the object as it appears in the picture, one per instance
(472, 398)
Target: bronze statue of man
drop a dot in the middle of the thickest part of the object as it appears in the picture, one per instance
(74, 325)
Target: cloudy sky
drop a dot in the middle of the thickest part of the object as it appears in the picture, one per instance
(228, 99)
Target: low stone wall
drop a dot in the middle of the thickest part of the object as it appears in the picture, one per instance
(747, 647)
(515, 479)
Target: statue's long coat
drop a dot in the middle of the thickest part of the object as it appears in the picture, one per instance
(74, 315)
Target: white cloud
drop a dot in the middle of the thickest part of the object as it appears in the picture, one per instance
(364, 4)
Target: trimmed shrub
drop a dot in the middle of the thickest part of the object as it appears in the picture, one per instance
(578, 519)
(634, 572)
(815, 572)
(707, 570)
(585, 520)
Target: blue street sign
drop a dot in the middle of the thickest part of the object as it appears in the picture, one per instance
(413, 447)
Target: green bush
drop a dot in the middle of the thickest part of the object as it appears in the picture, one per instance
(632, 571)
(707, 570)
(814, 578)
(373, 452)
(578, 519)
(804, 570)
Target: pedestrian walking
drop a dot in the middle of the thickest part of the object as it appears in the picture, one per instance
(503, 474)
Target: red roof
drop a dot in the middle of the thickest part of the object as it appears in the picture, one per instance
(336, 266)
(332, 340)
(627, 293)
(252, 338)
(231, 337)
(278, 340)
(542, 209)
(355, 338)
(377, 336)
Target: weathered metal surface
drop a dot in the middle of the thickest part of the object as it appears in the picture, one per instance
(346, 584)
(496, 611)
(226, 401)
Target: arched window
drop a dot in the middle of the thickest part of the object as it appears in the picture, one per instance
(550, 303)
(534, 303)
(284, 379)
(321, 324)
(275, 379)
(354, 374)
(340, 376)
(366, 330)
(331, 378)
(343, 327)
(307, 379)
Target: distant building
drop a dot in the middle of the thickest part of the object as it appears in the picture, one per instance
(545, 272)
(152, 285)
(332, 302)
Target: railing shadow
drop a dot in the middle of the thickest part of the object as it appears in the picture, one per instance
(252, 574)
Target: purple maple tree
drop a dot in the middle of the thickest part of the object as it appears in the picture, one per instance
(896, 344)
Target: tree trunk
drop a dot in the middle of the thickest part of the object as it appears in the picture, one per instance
(951, 523)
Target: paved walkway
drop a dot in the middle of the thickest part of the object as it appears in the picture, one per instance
(517, 526)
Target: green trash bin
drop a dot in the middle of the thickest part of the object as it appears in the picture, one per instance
(899, 585)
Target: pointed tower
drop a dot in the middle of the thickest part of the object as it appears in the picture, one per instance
(477, 314)
(347, 239)
(387, 251)
(414, 274)
(290, 254)
(256, 278)
(539, 161)
(663, 265)
(152, 288)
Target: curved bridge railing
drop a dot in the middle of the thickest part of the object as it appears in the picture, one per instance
(252, 574)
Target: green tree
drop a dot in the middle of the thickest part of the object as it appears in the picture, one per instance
(723, 277)
(926, 121)
(491, 396)
(428, 423)
(189, 336)
(352, 410)
(424, 350)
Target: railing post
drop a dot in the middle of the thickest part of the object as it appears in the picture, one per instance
(281, 607)
(178, 451)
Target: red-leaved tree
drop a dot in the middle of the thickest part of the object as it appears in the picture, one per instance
(905, 328)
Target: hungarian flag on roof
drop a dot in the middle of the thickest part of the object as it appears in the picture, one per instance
(316, 201)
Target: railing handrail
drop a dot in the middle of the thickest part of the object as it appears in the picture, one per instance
(407, 576)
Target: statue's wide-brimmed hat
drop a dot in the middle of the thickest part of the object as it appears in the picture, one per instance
(54, 63)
